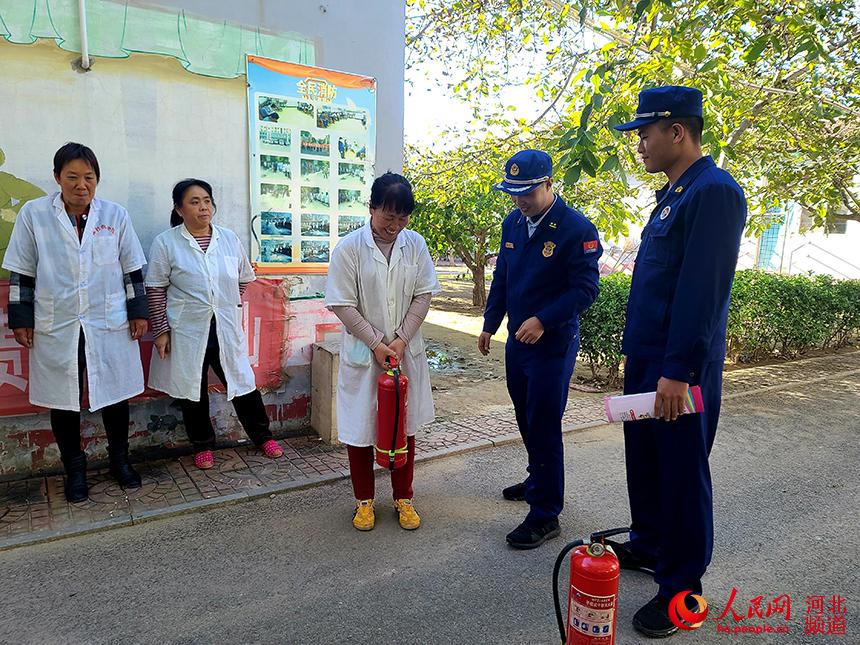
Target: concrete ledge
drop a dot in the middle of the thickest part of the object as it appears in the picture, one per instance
(58, 534)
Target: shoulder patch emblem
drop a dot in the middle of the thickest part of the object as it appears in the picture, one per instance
(665, 212)
(548, 249)
(589, 247)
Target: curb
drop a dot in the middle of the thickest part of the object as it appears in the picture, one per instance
(285, 487)
(271, 490)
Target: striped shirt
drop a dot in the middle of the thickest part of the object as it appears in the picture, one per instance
(158, 297)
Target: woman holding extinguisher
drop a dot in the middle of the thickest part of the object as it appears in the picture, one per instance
(380, 282)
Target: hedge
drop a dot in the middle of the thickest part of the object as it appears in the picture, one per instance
(770, 316)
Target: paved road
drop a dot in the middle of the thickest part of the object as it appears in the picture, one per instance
(290, 569)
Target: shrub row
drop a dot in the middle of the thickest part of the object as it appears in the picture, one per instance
(770, 316)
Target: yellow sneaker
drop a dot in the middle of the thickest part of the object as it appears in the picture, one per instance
(409, 518)
(364, 518)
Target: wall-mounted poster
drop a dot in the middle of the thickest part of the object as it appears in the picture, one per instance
(312, 136)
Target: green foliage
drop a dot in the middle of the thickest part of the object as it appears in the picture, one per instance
(770, 316)
(781, 80)
(456, 209)
(787, 316)
(602, 326)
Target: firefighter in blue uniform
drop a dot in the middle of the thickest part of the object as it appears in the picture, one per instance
(546, 275)
(675, 337)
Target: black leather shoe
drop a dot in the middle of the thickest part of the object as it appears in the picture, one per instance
(124, 474)
(515, 493)
(76, 488)
(630, 560)
(526, 536)
(652, 620)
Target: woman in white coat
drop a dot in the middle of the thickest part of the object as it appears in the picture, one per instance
(380, 282)
(197, 273)
(76, 300)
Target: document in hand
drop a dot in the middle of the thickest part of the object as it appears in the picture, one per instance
(635, 407)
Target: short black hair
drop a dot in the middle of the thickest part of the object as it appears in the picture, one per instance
(179, 191)
(394, 192)
(71, 151)
(694, 125)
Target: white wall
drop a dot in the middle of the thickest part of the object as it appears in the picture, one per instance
(359, 36)
(149, 122)
(152, 123)
(835, 254)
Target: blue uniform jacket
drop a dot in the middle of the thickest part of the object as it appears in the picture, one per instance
(679, 298)
(552, 275)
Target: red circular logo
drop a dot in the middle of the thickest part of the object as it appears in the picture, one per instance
(684, 618)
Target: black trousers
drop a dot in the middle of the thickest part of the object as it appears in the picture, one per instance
(66, 424)
(249, 407)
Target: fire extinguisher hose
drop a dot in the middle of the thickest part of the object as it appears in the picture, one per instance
(555, 571)
(391, 455)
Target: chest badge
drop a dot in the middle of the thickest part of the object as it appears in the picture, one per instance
(553, 225)
(509, 245)
(548, 249)
(665, 212)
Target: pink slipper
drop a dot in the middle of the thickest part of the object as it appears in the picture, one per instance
(204, 460)
(271, 449)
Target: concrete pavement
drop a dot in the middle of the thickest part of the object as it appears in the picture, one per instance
(290, 569)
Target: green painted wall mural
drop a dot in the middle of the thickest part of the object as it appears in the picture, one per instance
(116, 30)
(14, 193)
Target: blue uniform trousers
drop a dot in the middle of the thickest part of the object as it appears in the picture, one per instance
(538, 382)
(669, 480)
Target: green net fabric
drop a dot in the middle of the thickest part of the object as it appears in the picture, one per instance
(115, 30)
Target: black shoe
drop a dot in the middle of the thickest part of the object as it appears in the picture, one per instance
(653, 621)
(124, 474)
(515, 493)
(630, 560)
(76, 488)
(526, 536)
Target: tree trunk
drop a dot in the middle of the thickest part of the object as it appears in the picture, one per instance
(479, 290)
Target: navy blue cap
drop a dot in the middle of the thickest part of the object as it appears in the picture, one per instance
(525, 171)
(671, 101)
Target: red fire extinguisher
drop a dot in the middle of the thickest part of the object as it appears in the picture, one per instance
(593, 591)
(391, 417)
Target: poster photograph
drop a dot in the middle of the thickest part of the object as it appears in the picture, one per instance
(275, 197)
(352, 175)
(276, 223)
(275, 139)
(351, 201)
(289, 112)
(316, 225)
(314, 198)
(313, 145)
(315, 251)
(342, 119)
(314, 171)
(275, 167)
(312, 150)
(277, 249)
(351, 149)
(346, 224)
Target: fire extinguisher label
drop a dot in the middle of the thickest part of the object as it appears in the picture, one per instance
(591, 619)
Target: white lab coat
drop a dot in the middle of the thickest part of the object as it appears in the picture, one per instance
(79, 284)
(358, 275)
(200, 285)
